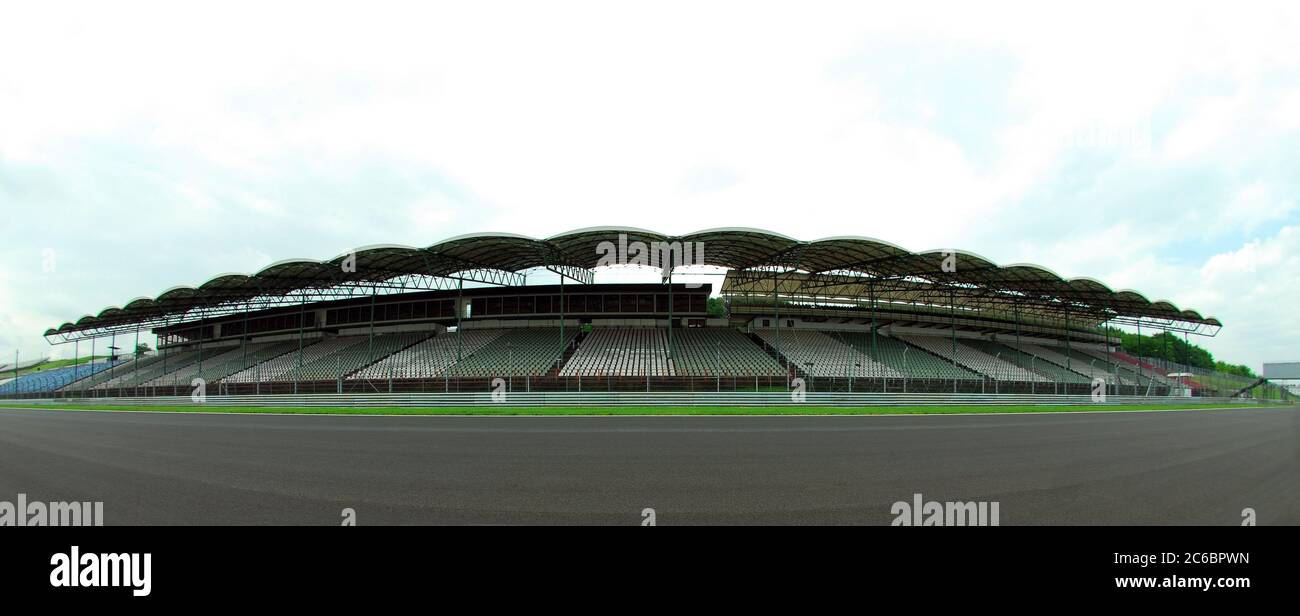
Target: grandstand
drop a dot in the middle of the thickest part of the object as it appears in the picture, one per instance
(1048, 370)
(631, 351)
(817, 354)
(1070, 361)
(514, 352)
(841, 313)
(973, 359)
(721, 351)
(54, 379)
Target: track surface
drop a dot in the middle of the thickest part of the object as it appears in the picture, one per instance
(1185, 467)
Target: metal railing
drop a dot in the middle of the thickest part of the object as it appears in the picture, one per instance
(636, 399)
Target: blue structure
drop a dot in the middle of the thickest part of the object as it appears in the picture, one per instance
(50, 380)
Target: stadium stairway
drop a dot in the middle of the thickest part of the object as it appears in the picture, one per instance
(568, 354)
(786, 366)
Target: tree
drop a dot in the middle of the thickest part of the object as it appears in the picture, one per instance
(142, 349)
(1170, 347)
(717, 308)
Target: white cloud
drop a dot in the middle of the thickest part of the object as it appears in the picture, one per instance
(231, 138)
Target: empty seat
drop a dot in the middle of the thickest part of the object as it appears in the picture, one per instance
(720, 351)
(428, 358)
(818, 354)
(974, 359)
(631, 351)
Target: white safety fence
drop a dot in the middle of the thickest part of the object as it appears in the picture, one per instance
(610, 399)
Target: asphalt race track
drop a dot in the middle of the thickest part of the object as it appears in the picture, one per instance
(1185, 467)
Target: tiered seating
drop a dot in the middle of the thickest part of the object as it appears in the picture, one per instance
(1165, 367)
(1126, 376)
(914, 362)
(351, 357)
(973, 359)
(312, 350)
(123, 365)
(632, 351)
(50, 380)
(1048, 369)
(429, 358)
(720, 351)
(221, 365)
(1127, 370)
(166, 362)
(818, 354)
(511, 352)
(1085, 367)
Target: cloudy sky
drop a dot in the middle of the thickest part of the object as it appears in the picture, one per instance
(1155, 148)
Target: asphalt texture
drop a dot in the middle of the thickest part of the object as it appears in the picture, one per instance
(156, 468)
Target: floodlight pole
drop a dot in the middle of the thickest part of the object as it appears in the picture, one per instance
(460, 308)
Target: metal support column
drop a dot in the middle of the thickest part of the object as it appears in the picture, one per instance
(302, 321)
(560, 357)
(952, 323)
(460, 308)
(370, 342)
(670, 313)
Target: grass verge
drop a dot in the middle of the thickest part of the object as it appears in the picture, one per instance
(625, 410)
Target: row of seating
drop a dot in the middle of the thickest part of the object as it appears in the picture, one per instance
(974, 359)
(630, 351)
(515, 352)
(614, 351)
(222, 365)
(127, 364)
(352, 357)
(50, 380)
(908, 360)
(1125, 370)
(720, 351)
(428, 358)
(166, 361)
(1086, 367)
(311, 350)
(819, 355)
(1029, 362)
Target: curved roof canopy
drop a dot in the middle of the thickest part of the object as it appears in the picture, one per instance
(865, 258)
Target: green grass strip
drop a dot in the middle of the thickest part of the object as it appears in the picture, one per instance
(628, 410)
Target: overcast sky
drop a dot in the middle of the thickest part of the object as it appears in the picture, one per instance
(1153, 148)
